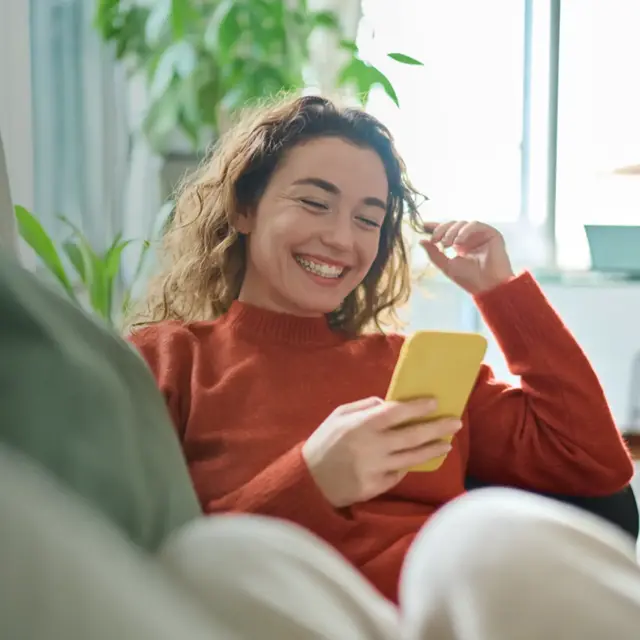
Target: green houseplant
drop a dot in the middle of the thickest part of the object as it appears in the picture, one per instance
(91, 278)
(202, 59)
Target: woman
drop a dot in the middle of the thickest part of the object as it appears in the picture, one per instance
(263, 331)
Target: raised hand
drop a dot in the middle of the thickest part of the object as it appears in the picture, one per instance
(481, 261)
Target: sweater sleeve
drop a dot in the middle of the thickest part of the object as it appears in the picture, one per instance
(555, 432)
(167, 348)
(285, 489)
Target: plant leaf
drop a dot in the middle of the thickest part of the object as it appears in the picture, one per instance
(83, 250)
(112, 263)
(181, 14)
(223, 28)
(327, 19)
(75, 258)
(365, 77)
(158, 21)
(162, 117)
(349, 45)
(33, 233)
(113, 256)
(105, 15)
(94, 266)
(98, 283)
(178, 60)
(404, 59)
(378, 78)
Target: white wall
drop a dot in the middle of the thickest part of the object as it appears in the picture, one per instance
(606, 322)
(605, 318)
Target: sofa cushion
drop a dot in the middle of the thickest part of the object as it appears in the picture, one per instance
(79, 401)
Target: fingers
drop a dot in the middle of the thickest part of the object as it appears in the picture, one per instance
(443, 236)
(414, 436)
(438, 258)
(392, 414)
(440, 231)
(457, 233)
(359, 405)
(407, 459)
(468, 231)
(451, 235)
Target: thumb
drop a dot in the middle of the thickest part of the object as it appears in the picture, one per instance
(437, 257)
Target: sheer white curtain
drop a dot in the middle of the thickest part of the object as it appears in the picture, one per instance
(80, 131)
(16, 153)
(142, 190)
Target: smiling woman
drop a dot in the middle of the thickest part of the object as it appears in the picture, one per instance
(324, 230)
(286, 250)
(291, 193)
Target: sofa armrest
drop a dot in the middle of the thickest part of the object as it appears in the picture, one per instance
(619, 508)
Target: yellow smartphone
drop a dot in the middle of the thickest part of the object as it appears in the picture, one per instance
(440, 365)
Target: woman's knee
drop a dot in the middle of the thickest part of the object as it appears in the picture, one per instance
(225, 540)
(280, 573)
(240, 548)
(509, 534)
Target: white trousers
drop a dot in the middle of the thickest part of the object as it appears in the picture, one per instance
(494, 565)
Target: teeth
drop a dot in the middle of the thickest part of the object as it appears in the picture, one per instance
(319, 269)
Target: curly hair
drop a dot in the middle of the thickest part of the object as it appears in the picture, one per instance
(202, 258)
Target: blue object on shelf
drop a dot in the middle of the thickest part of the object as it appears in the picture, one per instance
(615, 249)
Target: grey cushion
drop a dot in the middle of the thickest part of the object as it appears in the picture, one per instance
(79, 401)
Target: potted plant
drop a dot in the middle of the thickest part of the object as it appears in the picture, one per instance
(93, 279)
(203, 59)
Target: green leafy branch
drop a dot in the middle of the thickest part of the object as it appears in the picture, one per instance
(92, 279)
(203, 59)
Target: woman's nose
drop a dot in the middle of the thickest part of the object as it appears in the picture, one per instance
(339, 233)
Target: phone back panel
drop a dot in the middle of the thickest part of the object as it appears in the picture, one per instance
(440, 365)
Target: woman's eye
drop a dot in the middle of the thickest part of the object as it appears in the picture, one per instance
(369, 222)
(314, 203)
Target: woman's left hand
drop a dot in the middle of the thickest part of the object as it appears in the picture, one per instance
(481, 261)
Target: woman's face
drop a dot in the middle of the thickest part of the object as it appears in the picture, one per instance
(315, 232)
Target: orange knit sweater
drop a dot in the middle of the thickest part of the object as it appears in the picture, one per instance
(246, 390)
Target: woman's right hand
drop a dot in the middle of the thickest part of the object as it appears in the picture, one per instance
(358, 452)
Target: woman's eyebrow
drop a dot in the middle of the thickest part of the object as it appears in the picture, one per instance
(329, 187)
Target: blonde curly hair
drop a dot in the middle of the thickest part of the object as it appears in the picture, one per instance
(202, 258)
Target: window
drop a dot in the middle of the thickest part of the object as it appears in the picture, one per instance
(521, 115)
(460, 123)
(477, 125)
(598, 121)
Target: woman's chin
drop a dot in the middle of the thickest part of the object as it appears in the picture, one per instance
(316, 305)
(320, 297)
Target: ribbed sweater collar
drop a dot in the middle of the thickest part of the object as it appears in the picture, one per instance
(270, 326)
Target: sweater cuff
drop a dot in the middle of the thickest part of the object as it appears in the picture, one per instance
(299, 499)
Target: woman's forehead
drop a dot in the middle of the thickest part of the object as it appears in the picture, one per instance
(336, 161)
